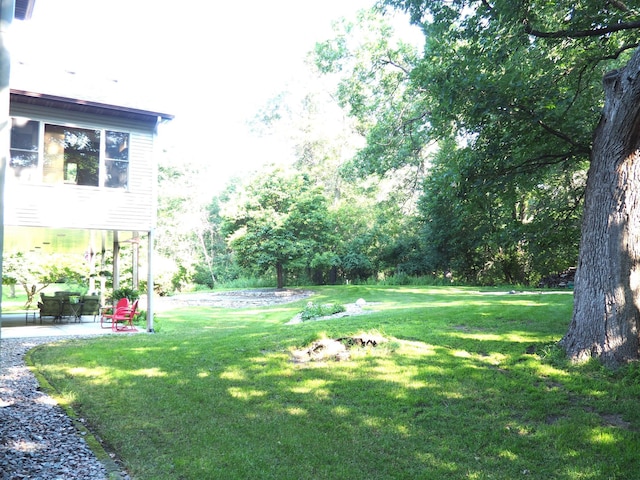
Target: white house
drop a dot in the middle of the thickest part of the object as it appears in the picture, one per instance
(81, 170)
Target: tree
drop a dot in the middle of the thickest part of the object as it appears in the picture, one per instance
(35, 273)
(181, 217)
(217, 263)
(283, 224)
(403, 106)
(520, 82)
(374, 67)
(606, 316)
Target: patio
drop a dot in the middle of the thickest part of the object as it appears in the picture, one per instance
(14, 326)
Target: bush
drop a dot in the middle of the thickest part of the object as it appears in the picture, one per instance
(126, 292)
(315, 310)
(249, 282)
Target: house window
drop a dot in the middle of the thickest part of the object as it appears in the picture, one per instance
(71, 155)
(117, 159)
(25, 143)
(56, 154)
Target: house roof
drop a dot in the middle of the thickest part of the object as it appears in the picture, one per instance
(45, 83)
(43, 86)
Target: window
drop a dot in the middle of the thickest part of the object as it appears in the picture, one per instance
(71, 155)
(25, 135)
(117, 159)
(55, 154)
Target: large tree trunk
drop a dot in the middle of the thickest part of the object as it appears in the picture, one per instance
(607, 287)
(279, 275)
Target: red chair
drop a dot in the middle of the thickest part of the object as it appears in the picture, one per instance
(107, 313)
(122, 319)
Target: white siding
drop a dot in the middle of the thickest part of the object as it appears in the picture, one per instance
(76, 206)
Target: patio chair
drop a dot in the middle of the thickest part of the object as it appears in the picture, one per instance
(107, 313)
(90, 306)
(122, 319)
(50, 307)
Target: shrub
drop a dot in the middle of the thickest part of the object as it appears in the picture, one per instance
(315, 310)
(126, 292)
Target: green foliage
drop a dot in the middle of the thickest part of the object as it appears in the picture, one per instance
(249, 282)
(375, 88)
(126, 292)
(314, 310)
(282, 225)
(513, 120)
(474, 163)
(187, 235)
(34, 273)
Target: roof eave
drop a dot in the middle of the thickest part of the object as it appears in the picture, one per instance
(24, 9)
(45, 99)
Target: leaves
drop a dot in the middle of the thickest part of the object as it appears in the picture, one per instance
(284, 221)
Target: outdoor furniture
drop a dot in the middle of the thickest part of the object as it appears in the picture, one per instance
(30, 314)
(70, 305)
(108, 312)
(122, 320)
(61, 305)
(90, 305)
(50, 307)
(75, 308)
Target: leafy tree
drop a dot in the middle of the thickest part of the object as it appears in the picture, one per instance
(374, 68)
(512, 234)
(217, 264)
(357, 245)
(378, 88)
(520, 83)
(35, 273)
(283, 224)
(181, 219)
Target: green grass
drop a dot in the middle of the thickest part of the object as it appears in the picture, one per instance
(14, 304)
(470, 386)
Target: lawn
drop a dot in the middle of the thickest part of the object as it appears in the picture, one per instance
(469, 385)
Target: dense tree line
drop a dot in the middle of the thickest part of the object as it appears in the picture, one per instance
(404, 188)
(501, 151)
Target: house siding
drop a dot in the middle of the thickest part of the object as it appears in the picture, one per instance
(78, 206)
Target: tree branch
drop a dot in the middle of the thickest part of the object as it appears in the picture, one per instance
(564, 137)
(389, 61)
(534, 164)
(595, 32)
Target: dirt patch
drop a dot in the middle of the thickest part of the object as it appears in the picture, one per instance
(233, 299)
(337, 349)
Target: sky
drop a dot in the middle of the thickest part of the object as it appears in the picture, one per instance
(212, 65)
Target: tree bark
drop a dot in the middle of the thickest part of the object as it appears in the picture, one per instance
(279, 275)
(607, 286)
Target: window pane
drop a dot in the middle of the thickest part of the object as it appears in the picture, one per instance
(117, 145)
(117, 161)
(24, 150)
(117, 174)
(71, 155)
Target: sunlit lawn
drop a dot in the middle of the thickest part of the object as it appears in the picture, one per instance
(470, 385)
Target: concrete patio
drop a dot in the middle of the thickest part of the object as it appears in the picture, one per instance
(15, 326)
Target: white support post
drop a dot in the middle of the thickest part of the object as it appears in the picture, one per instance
(150, 312)
(7, 8)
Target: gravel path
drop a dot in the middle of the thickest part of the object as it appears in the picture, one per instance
(37, 438)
